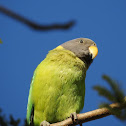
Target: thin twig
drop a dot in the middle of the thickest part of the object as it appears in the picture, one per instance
(34, 25)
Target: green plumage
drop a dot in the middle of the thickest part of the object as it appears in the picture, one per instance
(57, 88)
(61, 87)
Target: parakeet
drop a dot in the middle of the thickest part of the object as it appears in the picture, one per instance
(58, 84)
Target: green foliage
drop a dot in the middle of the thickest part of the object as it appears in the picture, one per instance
(116, 95)
(14, 122)
(3, 121)
(11, 121)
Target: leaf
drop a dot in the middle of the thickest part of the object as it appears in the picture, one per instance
(1, 41)
(105, 93)
(115, 89)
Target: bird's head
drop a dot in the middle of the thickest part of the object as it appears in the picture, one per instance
(83, 48)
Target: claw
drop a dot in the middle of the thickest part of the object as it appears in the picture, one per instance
(45, 123)
(73, 116)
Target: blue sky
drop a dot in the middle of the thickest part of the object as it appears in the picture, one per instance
(103, 21)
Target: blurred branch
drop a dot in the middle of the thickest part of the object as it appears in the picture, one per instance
(115, 94)
(89, 116)
(34, 25)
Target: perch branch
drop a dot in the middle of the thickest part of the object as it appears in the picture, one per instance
(34, 25)
(89, 116)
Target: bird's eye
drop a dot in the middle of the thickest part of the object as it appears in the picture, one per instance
(81, 41)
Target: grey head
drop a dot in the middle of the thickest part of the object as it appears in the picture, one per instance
(83, 48)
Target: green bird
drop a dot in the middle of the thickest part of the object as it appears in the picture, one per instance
(58, 84)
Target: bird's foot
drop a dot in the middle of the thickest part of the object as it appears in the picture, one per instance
(73, 116)
(45, 123)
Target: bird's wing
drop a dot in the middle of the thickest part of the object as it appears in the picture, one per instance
(30, 105)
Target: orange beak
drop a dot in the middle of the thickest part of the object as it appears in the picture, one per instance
(94, 51)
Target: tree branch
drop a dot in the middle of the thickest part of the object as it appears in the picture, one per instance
(89, 116)
(34, 25)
